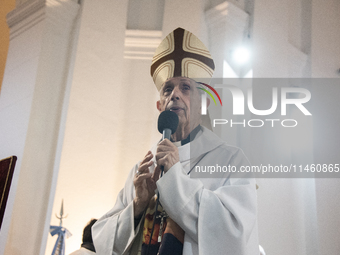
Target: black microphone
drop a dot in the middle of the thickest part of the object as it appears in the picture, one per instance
(167, 123)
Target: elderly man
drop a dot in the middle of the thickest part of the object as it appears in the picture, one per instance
(195, 215)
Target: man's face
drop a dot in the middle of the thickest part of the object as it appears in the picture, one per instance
(180, 95)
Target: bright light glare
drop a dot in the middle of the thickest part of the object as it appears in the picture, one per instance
(241, 55)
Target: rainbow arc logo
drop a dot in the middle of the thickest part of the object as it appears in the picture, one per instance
(204, 97)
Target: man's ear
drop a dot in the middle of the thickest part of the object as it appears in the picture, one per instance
(158, 105)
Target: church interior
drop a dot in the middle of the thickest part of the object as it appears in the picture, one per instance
(78, 109)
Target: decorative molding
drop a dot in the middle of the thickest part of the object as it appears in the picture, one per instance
(141, 44)
(23, 11)
(228, 14)
(59, 14)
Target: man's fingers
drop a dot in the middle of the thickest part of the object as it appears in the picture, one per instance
(147, 157)
(165, 142)
(144, 167)
(162, 161)
(155, 175)
(160, 155)
(165, 147)
(142, 177)
(145, 164)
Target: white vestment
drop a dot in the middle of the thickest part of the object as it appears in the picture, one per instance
(218, 215)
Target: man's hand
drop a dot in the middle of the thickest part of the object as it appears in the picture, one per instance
(167, 154)
(145, 184)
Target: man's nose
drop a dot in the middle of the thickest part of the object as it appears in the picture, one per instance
(176, 94)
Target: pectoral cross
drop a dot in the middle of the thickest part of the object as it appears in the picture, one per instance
(163, 215)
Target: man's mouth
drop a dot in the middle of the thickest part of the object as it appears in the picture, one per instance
(176, 109)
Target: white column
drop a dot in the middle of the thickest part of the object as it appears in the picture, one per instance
(325, 62)
(227, 24)
(287, 209)
(32, 98)
(91, 169)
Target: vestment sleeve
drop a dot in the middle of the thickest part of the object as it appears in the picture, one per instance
(220, 218)
(114, 233)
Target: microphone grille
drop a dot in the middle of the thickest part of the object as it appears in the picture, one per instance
(167, 119)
